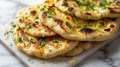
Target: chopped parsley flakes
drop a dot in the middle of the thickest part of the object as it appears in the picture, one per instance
(51, 11)
(20, 20)
(41, 42)
(55, 41)
(6, 33)
(85, 3)
(20, 39)
(37, 17)
(91, 5)
(65, 4)
(43, 8)
(104, 4)
(28, 26)
(49, 16)
(13, 25)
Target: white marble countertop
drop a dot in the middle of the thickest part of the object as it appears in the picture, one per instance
(109, 56)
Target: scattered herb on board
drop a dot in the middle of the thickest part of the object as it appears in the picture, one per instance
(56, 61)
(13, 25)
(42, 62)
(7, 32)
(11, 44)
(28, 60)
(32, 62)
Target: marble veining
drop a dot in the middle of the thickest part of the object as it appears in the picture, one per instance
(108, 56)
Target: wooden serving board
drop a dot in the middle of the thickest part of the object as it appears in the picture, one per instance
(6, 39)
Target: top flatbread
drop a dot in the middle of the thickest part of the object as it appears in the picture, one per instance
(47, 47)
(28, 20)
(73, 28)
(90, 9)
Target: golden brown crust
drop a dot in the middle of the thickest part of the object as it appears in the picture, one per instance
(90, 9)
(47, 47)
(73, 28)
(82, 46)
(28, 20)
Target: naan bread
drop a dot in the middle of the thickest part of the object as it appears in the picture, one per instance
(47, 47)
(82, 46)
(28, 20)
(73, 28)
(90, 9)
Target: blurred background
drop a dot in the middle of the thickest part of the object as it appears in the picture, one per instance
(9, 8)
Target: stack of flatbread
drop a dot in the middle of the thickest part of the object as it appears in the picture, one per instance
(65, 27)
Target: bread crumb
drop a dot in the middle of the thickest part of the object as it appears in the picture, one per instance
(72, 60)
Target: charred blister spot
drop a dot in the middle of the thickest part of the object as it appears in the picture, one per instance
(86, 30)
(50, 7)
(113, 19)
(68, 24)
(88, 13)
(112, 26)
(114, 10)
(70, 8)
(48, 30)
(59, 21)
(107, 30)
(84, 42)
(33, 12)
(101, 23)
(69, 17)
(35, 24)
(77, 47)
(44, 14)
